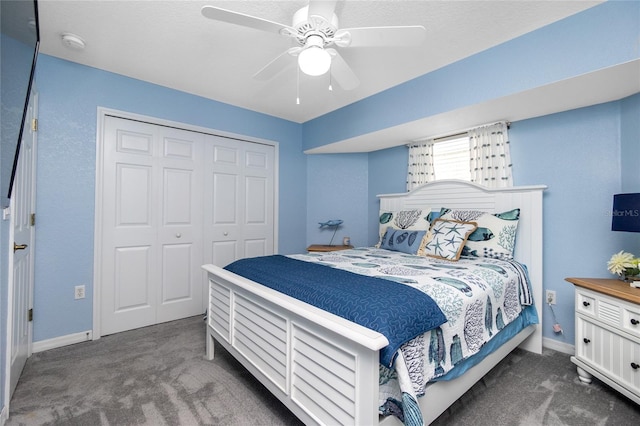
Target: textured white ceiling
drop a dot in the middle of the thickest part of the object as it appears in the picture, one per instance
(171, 44)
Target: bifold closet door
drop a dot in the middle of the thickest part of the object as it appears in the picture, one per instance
(151, 225)
(239, 200)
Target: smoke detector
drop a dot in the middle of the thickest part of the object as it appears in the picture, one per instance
(72, 41)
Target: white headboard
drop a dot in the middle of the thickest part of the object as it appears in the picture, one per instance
(458, 194)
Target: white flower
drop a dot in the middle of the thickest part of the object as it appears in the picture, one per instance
(619, 262)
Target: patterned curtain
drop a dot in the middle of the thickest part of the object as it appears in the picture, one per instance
(420, 168)
(490, 157)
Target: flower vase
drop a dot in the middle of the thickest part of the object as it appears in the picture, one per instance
(630, 274)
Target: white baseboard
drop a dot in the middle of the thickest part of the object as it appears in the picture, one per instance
(58, 342)
(555, 345)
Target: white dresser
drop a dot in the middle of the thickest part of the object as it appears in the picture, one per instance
(608, 333)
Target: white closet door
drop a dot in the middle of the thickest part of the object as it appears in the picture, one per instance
(152, 218)
(180, 230)
(239, 194)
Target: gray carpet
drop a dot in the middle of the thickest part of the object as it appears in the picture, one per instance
(158, 376)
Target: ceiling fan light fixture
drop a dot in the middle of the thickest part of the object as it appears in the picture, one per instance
(314, 61)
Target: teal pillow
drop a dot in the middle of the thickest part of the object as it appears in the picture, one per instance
(404, 240)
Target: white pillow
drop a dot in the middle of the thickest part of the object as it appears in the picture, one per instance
(496, 233)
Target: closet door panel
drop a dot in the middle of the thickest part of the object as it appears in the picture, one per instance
(180, 231)
(224, 192)
(255, 194)
(254, 248)
(151, 225)
(133, 284)
(258, 227)
(224, 200)
(128, 292)
(133, 196)
(176, 276)
(223, 252)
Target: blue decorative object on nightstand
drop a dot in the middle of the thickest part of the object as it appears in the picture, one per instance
(335, 223)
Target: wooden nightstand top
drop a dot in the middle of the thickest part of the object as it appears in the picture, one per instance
(327, 248)
(616, 288)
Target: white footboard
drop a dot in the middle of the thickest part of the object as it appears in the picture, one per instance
(322, 367)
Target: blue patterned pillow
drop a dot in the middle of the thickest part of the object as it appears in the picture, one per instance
(446, 238)
(496, 233)
(403, 240)
(412, 220)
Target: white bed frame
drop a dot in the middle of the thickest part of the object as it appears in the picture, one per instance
(325, 368)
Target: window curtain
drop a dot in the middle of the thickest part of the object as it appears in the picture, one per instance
(420, 168)
(490, 157)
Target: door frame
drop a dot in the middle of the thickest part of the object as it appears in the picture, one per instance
(102, 113)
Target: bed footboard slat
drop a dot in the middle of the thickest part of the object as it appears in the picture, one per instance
(323, 376)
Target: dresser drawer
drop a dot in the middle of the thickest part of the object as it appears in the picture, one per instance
(631, 320)
(614, 355)
(609, 310)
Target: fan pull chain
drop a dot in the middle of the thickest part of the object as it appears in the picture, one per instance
(298, 86)
(330, 78)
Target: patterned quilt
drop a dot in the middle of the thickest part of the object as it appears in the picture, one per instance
(398, 312)
(479, 297)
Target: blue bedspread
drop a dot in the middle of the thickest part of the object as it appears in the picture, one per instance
(397, 311)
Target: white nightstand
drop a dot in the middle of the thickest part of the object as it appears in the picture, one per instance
(608, 333)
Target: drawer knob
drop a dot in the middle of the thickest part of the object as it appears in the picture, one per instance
(634, 321)
(635, 366)
(585, 304)
(586, 340)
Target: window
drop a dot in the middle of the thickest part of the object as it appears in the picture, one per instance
(480, 155)
(451, 158)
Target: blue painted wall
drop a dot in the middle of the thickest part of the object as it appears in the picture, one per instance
(387, 175)
(630, 136)
(69, 97)
(337, 189)
(577, 155)
(630, 160)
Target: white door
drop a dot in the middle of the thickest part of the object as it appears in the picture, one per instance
(151, 225)
(22, 238)
(240, 201)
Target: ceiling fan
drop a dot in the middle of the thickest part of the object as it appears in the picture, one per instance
(315, 31)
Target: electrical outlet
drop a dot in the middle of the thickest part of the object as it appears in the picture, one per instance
(79, 292)
(551, 297)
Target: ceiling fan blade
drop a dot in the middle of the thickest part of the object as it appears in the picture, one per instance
(341, 72)
(322, 8)
(380, 36)
(281, 62)
(237, 18)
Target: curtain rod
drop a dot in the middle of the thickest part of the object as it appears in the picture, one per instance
(459, 133)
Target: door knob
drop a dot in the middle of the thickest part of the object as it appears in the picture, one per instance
(17, 247)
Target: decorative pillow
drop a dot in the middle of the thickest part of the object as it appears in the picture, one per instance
(414, 220)
(496, 233)
(402, 240)
(446, 238)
